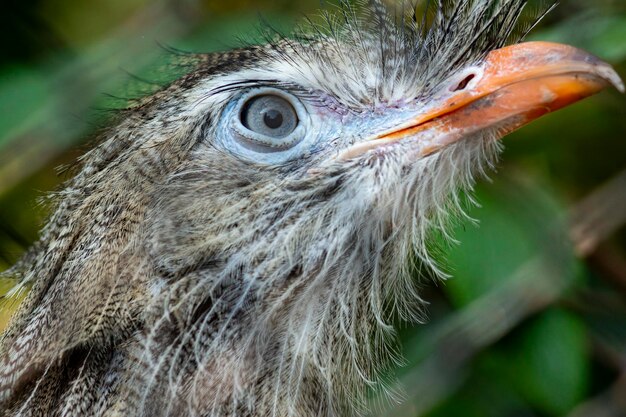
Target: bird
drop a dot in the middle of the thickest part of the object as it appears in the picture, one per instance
(240, 241)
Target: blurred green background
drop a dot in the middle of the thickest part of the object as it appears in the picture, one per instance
(533, 320)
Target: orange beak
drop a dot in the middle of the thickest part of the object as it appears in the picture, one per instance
(512, 87)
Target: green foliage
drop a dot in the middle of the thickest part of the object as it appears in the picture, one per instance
(504, 237)
(22, 92)
(546, 363)
(544, 367)
(550, 363)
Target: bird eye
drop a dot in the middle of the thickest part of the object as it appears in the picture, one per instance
(271, 118)
(269, 115)
(267, 125)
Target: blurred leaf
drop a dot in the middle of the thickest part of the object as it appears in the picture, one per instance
(487, 254)
(511, 231)
(550, 365)
(23, 91)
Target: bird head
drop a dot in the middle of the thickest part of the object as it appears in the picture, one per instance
(247, 229)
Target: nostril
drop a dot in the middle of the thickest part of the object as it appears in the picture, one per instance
(463, 84)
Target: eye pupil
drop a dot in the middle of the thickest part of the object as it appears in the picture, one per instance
(273, 119)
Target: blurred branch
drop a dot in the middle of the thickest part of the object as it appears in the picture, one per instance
(612, 402)
(598, 216)
(533, 287)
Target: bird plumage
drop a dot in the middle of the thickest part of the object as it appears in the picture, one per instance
(178, 278)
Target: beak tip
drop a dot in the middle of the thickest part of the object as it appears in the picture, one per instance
(609, 74)
(620, 86)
